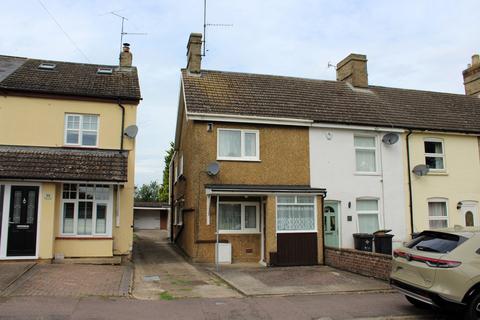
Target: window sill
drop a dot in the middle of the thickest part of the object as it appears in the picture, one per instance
(79, 146)
(239, 159)
(437, 173)
(84, 238)
(376, 174)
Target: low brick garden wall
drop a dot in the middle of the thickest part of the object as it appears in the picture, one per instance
(365, 263)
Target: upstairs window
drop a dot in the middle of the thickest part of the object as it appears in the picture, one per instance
(81, 130)
(365, 154)
(236, 144)
(434, 154)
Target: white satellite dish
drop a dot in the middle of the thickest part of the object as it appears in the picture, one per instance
(420, 170)
(213, 169)
(390, 138)
(131, 131)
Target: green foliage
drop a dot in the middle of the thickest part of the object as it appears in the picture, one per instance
(166, 174)
(166, 296)
(148, 192)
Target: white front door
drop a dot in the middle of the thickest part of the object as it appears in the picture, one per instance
(469, 213)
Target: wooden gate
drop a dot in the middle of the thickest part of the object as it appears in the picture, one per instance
(297, 249)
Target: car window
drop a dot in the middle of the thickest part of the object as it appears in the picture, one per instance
(436, 242)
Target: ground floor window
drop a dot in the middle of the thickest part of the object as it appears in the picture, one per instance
(86, 210)
(238, 217)
(2, 190)
(178, 215)
(367, 213)
(296, 214)
(437, 214)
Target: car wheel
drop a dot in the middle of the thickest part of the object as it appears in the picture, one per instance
(417, 303)
(473, 308)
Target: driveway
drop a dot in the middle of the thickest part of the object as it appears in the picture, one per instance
(253, 280)
(162, 273)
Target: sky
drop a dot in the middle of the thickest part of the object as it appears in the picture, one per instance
(409, 44)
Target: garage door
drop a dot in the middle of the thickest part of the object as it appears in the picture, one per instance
(146, 219)
(296, 249)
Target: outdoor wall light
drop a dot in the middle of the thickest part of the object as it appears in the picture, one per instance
(459, 205)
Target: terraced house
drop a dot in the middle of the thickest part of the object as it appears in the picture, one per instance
(281, 168)
(66, 165)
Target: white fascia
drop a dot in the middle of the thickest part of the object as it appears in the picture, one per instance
(249, 119)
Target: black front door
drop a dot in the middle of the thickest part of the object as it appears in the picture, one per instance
(22, 228)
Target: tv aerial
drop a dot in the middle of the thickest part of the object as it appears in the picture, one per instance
(205, 25)
(122, 30)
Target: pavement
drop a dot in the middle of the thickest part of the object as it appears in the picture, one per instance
(11, 271)
(161, 272)
(255, 280)
(324, 307)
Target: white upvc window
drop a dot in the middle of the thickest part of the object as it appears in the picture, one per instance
(238, 217)
(86, 210)
(296, 213)
(238, 144)
(434, 154)
(437, 213)
(365, 154)
(178, 215)
(180, 166)
(368, 215)
(81, 130)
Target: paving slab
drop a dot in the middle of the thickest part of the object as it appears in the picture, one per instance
(72, 281)
(261, 281)
(11, 271)
(161, 272)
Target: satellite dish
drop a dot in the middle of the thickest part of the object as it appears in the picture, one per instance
(131, 131)
(213, 169)
(390, 138)
(420, 170)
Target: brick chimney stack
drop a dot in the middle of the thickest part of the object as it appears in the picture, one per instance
(194, 53)
(126, 56)
(471, 77)
(353, 69)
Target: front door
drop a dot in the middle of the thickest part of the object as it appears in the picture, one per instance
(330, 223)
(22, 222)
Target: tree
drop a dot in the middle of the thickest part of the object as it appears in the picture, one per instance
(166, 173)
(148, 192)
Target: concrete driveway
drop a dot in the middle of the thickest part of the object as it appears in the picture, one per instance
(254, 280)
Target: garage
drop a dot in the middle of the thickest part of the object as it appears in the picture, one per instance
(150, 215)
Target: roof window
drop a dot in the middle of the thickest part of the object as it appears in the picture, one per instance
(104, 71)
(47, 66)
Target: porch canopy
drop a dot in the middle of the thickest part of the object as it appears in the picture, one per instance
(63, 164)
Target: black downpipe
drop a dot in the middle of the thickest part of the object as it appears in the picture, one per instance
(123, 124)
(410, 197)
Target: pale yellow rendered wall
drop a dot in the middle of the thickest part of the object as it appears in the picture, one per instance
(459, 182)
(31, 121)
(46, 220)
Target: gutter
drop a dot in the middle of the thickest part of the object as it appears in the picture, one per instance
(410, 197)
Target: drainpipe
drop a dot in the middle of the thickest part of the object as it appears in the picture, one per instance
(123, 123)
(409, 181)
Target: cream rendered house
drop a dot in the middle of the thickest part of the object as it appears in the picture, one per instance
(66, 166)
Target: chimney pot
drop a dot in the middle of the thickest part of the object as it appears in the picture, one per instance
(194, 53)
(353, 69)
(471, 77)
(126, 56)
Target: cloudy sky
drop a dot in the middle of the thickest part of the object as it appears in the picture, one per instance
(409, 44)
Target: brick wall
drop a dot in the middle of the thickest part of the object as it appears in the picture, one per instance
(365, 263)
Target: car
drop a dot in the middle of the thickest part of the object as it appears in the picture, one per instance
(440, 268)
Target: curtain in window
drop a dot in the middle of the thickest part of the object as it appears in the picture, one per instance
(434, 162)
(433, 147)
(230, 216)
(437, 212)
(230, 143)
(295, 217)
(368, 223)
(250, 217)
(101, 223)
(68, 216)
(365, 160)
(367, 205)
(250, 144)
(84, 224)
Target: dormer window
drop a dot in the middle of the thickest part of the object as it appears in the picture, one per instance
(47, 66)
(104, 71)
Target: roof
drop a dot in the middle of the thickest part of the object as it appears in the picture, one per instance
(68, 79)
(61, 164)
(252, 189)
(243, 94)
(151, 204)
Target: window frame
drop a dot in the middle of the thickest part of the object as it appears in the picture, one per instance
(360, 212)
(296, 203)
(81, 130)
(375, 149)
(435, 155)
(177, 215)
(242, 156)
(242, 230)
(95, 202)
(437, 218)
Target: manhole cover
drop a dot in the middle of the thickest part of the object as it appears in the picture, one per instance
(151, 278)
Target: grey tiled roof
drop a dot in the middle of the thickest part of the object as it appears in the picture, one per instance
(42, 163)
(232, 93)
(69, 79)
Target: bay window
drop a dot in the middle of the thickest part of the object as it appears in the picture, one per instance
(236, 144)
(86, 210)
(296, 214)
(367, 213)
(81, 130)
(238, 217)
(365, 154)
